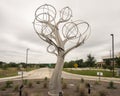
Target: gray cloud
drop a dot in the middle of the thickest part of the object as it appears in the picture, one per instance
(17, 34)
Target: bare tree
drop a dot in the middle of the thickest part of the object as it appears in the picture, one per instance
(60, 36)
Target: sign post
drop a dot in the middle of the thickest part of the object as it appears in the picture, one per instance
(100, 74)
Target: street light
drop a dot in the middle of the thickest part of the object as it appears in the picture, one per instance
(113, 52)
(27, 57)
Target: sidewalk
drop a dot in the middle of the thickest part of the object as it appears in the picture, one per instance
(67, 75)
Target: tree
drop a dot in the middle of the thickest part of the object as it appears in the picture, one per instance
(81, 63)
(90, 61)
(117, 60)
(59, 34)
(108, 63)
(1, 63)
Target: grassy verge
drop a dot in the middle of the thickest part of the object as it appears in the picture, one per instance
(11, 72)
(8, 72)
(90, 72)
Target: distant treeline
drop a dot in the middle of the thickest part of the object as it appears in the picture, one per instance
(89, 62)
(24, 65)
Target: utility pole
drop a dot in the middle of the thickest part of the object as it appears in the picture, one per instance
(113, 53)
(27, 57)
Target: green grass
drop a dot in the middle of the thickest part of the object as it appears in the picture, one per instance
(12, 72)
(8, 72)
(90, 72)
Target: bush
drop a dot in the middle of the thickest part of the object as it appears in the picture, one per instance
(82, 80)
(77, 88)
(8, 84)
(30, 84)
(3, 88)
(45, 85)
(82, 91)
(111, 85)
(62, 80)
(46, 79)
(25, 93)
(37, 82)
(16, 88)
(95, 94)
(102, 93)
(64, 85)
(25, 82)
(87, 85)
(97, 83)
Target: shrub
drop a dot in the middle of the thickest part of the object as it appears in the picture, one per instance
(38, 94)
(46, 79)
(25, 82)
(111, 85)
(64, 85)
(3, 88)
(8, 84)
(25, 93)
(82, 91)
(37, 82)
(102, 93)
(62, 80)
(97, 83)
(16, 88)
(30, 84)
(95, 94)
(45, 85)
(77, 88)
(87, 85)
(82, 80)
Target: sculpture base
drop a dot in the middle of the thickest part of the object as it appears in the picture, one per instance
(53, 94)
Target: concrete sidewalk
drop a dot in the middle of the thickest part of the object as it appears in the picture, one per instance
(67, 75)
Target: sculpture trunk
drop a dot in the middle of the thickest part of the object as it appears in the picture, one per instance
(55, 81)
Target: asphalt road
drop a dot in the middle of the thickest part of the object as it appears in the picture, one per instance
(46, 72)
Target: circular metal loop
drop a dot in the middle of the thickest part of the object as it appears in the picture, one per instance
(41, 29)
(70, 30)
(44, 17)
(83, 28)
(65, 14)
(51, 49)
(45, 13)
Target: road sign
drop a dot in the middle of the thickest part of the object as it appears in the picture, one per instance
(100, 73)
(21, 72)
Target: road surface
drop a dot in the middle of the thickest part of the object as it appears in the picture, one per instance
(47, 72)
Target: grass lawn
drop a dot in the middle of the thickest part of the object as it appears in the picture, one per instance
(90, 72)
(11, 72)
(8, 72)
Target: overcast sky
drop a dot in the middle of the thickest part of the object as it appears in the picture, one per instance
(17, 33)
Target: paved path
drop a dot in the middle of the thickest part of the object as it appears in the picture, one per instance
(46, 72)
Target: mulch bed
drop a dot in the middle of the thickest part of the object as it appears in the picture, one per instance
(39, 87)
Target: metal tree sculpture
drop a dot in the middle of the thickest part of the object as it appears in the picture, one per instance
(58, 35)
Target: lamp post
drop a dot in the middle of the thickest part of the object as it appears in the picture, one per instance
(21, 86)
(113, 52)
(27, 57)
